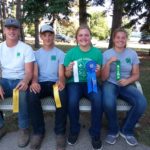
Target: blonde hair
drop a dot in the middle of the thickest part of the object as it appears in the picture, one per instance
(119, 30)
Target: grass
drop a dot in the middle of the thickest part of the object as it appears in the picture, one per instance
(142, 132)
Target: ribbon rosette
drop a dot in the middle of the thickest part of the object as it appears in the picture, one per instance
(91, 76)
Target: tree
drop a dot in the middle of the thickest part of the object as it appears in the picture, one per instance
(98, 26)
(19, 15)
(37, 9)
(3, 14)
(140, 9)
(117, 17)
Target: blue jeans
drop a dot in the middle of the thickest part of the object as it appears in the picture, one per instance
(129, 94)
(75, 92)
(23, 116)
(36, 112)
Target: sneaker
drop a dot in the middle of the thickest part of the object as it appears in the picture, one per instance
(2, 131)
(96, 143)
(72, 139)
(111, 139)
(36, 142)
(131, 140)
(24, 137)
(60, 142)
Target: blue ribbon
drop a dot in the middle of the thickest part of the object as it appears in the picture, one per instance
(91, 76)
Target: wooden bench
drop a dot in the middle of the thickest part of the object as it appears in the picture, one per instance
(85, 106)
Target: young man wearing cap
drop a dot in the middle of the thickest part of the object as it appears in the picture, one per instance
(16, 60)
(48, 70)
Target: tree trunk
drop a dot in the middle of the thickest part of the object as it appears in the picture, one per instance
(82, 12)
(2, 15)
(19, 16)
(117, 18)
(36, 24)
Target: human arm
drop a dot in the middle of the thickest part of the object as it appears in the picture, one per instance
(23, 84)
(1, 93)
(69, 70)
(98, 70)
(106, 68)
(35, 86)
(61, 76)
(134, 76)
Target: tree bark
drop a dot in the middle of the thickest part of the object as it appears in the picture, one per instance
(19, 16)
(36, 24)
(117, 18)
(2, 15)
(82, 12)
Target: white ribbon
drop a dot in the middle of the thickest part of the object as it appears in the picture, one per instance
(75, 71)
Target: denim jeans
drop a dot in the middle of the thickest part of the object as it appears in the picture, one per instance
(23, 116)
(75, 92)
(36, 112)
(129, 94)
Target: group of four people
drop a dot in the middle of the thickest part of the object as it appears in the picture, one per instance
(34, 75)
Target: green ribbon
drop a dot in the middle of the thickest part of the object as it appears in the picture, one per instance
(118, 76)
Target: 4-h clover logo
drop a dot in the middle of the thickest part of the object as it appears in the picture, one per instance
(128, 60)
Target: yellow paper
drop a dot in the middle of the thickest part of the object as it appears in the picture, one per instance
(15, 101)
(56, 96)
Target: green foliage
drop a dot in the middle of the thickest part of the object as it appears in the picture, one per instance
(31, 30)
(140, 9)
(99, 26)
(36, 9)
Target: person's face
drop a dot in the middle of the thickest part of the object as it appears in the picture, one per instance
(47, 38)
(12, 33)
(83, 37)
(120, 40)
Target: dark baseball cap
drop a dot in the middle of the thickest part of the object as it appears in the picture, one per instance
(12, 22)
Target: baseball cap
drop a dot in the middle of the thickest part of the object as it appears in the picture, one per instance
(46, 28)
(12, 22)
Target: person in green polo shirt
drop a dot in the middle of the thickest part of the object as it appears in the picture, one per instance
(75, 63)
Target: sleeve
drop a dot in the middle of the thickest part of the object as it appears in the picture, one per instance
(29, 55)
(104, 59)
(135, 58)
(67, 59)
(101, 58)
(61, 58)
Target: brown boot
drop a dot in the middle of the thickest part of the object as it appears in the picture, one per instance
(24, 137)
(36, 142)
(60, 142)
(2, 131)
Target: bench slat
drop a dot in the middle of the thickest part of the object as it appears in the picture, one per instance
(85, 106)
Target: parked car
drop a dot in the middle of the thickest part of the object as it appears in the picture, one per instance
(62, 38)
(145, 39)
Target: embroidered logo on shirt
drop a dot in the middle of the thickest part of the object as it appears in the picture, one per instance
(18, 54)
(128, 60)
(53, 57)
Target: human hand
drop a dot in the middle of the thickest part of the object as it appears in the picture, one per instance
(61, 85)
(2, 93)
(35, 87)
(97, 68)
(123, 82)
(112, 59)
(70, 67)
(22, 85)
